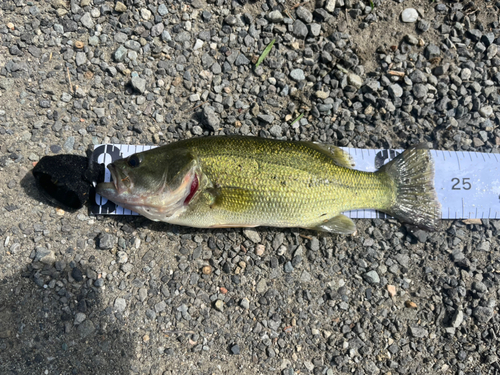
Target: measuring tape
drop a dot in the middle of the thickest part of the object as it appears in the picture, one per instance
(467, 183)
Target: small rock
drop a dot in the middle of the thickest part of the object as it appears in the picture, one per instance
(432, 51)
(275, 16)
(330, 5)
(372, 277)
(219, 305)
(120, 7)
(87, 21)
(76, 274)
(259, 249)
(210, 118)
(409, 15)
(396, 91)
(266, 118)
(79, 318)
(138, 83)
(297, 75)
(120, 54)
(419, 332)
(457, 319)
(411, 40)
(299, 29)
(235, 349)
(86, 328)
(120, 304)
(288, 268)
(486, 111)
(106, 241)
(354, 80)
(44, 255)
(81, 58)
(252, 235)
(483, 314)
(304, 14)
(392, 290)
(245, 303)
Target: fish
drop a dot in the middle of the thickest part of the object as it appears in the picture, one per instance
(244, 181)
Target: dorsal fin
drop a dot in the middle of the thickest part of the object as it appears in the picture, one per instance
(339, 156)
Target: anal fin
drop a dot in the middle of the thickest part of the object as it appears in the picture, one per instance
(338, 224)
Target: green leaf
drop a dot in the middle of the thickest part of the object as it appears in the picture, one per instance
(265, 53)
(297, 119)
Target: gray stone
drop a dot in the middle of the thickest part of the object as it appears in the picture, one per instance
(245, 303)
(432, 51)
(79, 318)
(420, 90)
(157, 29)
(276, 131)
(81, 58)
(65, 97)
(412, 40)
(457, 319)
(409, 15)
(138, 83)
(419, 332)
(252, 235)
(210, 118)
(417, 76)
(275, 16)
(134, 45)
(120, 54)
(395, 90)
(266, 118)
(354, 80)
(299, 29)
(87, 21)
(44, 255)
(486, 111)
(330, 5)
(86, 328)
(241, 60)
(162, 10)
(372, 277)
(314, 29)
(297, 75)
(100, 112)
(160, 306)
(288, 268)
(120, 304)
(492, 51)
(69, 143)
(483, 314)
(304, 14)
(106, 241)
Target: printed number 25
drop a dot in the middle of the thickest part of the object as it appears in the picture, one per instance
(465, 185)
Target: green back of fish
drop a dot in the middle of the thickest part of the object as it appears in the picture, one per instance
(256, 181)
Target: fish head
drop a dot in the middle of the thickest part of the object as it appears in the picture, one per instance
(158, 183)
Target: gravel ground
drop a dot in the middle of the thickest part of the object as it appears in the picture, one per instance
(123, 295)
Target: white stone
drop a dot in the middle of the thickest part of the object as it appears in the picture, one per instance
(409, 15)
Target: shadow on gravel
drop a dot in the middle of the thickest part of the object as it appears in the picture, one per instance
(37, 326)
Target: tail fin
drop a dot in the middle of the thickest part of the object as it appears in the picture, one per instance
(416, 201)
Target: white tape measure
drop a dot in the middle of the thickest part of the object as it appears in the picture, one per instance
(467, 183)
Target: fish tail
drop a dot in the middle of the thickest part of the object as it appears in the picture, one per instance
(412, 173)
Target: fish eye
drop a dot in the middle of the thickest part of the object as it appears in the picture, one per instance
(133, 161)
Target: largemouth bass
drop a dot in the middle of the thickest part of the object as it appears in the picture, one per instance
(235, 181)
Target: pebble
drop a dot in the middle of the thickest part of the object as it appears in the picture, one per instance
(252, 235)
(419, 332)
(275, 16)
(120, 304)
(138, 84)
(219, 305)
(297, 75)
(372, 277)
(355, 80)
(106, 241)
(409, 15)
(486, 111)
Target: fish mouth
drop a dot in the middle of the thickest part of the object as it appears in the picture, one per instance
(118, 185)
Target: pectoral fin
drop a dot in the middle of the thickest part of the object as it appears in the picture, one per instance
(338, 224)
